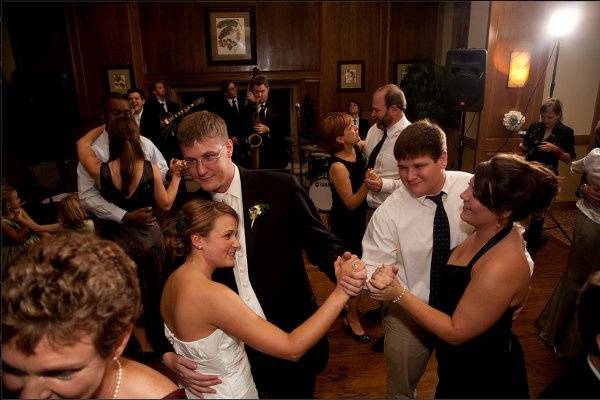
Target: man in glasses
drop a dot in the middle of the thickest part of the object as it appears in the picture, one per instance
(269, 273)
(115, 105)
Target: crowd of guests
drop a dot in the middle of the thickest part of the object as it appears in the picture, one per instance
(214, 282)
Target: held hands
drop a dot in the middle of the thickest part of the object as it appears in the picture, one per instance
(384, 284)
(177, 167)
(373, 182)
(185, 370)
(351, 274)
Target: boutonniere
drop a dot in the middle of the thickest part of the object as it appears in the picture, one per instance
(256, 210)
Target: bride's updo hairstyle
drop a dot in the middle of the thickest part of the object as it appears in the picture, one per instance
(195, 217)
(507, 182)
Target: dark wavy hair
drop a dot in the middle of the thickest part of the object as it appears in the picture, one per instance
(195, 217)
(507, 182)
(125, 145)
(67, 286)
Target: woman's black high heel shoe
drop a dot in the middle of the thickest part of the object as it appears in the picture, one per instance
(364, 338)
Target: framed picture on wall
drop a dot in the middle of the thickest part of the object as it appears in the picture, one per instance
(231, 36)
(351, 76)
(119, 79)
(401, 67)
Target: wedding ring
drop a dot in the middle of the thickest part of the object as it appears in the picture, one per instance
(355, 267)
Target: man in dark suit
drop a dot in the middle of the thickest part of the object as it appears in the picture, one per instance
(156, 108)
(269, 273)
(265, 118)
(233, 111)
(355, 111)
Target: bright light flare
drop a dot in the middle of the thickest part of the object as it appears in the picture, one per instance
(562, 22)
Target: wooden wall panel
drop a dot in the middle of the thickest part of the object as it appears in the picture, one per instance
(102, 37)
(513, 26)
(413, 30)
(351, 31)
(287, 36)
(174, 38)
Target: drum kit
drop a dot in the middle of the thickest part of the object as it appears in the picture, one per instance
(316, 178)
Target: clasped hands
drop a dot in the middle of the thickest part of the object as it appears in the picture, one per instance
(352, 277)
(177, 167)
(373, 182)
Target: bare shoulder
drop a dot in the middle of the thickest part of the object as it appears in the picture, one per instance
(506, 260)
(143, 382)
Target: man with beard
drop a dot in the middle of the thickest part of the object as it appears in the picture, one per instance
(388, 106)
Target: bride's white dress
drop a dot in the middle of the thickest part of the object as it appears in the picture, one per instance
(222, 355)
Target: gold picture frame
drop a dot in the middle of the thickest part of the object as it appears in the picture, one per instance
(351, 76)
(119, 79)
(231, 37)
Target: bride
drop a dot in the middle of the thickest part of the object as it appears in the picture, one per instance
(208, 323)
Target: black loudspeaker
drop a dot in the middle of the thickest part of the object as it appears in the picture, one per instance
(464, 79)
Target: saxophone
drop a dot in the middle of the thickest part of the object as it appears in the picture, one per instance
(254, 142)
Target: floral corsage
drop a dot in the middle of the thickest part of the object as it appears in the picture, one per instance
(257, 210)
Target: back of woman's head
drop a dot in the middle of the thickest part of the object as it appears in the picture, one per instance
(507, 182)
(67, 286)
(195, 217)
(125, 145)
(7, 192)
(70, 213)
(333, 126)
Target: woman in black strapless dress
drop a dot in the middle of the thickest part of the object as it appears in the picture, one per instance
(484, 284)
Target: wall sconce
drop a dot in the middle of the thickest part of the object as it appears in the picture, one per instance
(518, 74)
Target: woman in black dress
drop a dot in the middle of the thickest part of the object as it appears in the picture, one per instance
(131, 182)
(347, 168)
(484, 284)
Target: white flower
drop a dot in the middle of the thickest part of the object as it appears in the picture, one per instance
(513, 120)
(256, 210)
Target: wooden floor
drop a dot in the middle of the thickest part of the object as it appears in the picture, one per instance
(354, 370)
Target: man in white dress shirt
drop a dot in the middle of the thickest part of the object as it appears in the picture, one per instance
(401, 232)
(388, 106)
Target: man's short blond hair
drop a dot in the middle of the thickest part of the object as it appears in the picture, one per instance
(199, 126)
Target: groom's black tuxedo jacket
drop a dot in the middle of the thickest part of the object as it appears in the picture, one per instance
(275, 262)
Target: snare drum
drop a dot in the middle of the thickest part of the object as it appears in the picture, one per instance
(320, 194)
(318, 166)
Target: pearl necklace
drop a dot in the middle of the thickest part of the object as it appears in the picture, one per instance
(119, 378)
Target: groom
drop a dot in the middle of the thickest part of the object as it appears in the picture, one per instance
(277, 223)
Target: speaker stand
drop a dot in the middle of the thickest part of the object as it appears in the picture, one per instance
(461, 139)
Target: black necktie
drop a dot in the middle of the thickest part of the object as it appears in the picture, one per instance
(262, 112)
(235, 107)
(441, 249)
(376, 151)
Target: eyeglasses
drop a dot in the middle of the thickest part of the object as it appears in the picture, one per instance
(205, 159)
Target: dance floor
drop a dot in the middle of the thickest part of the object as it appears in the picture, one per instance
(354, 370)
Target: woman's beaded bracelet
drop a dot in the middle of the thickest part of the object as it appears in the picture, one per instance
(397, 299)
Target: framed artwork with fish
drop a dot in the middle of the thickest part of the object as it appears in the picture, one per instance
(231, 36)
